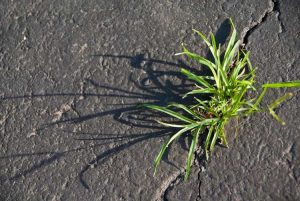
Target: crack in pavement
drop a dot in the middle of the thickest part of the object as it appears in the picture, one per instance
(167, 186)
(199, 186)
(273, 8)
(202, 164)
(278, 10)
(171, 186)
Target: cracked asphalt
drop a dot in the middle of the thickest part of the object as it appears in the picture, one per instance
(72, 73)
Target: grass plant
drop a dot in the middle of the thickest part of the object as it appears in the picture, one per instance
(232, 76)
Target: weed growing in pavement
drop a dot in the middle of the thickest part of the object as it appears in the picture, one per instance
(232, 76)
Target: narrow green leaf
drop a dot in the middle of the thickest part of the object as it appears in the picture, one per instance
(278, 101)
(249, 64)
(203, 37)
(231, 40)
(167, 143)
(201, 104)
(196, 78)
(171, 125)
(191, 152)
(259, 99)
(207, 141)
(191, 112)
(240, 65)
(201, 91)
(197, 57)
(215, 52)
(169, 112)
(275, 104)
(295, 83)
(237, 99)
(229, 58)
(212, 47)
(207, 122)
(223, 135)
(223, 76)
(214, 140)
(201, 60)
(276, 117)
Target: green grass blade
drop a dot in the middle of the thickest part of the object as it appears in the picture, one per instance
(249, 64)
(278, 101)
(259, 99)
(191, 112)
(198, 79)
(201, 91)
(275, 104)
(201, 60)
(229, 58)
(276, 117)
(207, 140)
(197, 57)
(295, 83)
(223, 75)
(219, 55)
(214, 140)
(231, 40)
(169, 112)
(208, 122)
(206, 63)
(237, 99)
(203, 38)
(240, 65)
(191, 152)
(223, 135)
(201, 104)
(167, 143)
(171, 125)
(215, 51)
(216, 54)
(212, 47)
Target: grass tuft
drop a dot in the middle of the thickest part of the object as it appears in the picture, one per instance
(232, 76)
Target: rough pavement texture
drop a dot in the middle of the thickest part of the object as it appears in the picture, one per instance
(71, 72)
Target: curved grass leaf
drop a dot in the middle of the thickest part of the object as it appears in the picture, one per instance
(196, 78)
(276, 103)
(203, 38)
(169, 112)
(201, 91)
(203, 61)
(171, 125)
(232, 39)
(167, 143)
(207, 141)
(191, 152)
(191, 112)
(214, 140)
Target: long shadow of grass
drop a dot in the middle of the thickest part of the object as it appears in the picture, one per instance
(161, 91)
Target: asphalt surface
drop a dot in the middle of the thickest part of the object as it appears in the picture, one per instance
(72, 72)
